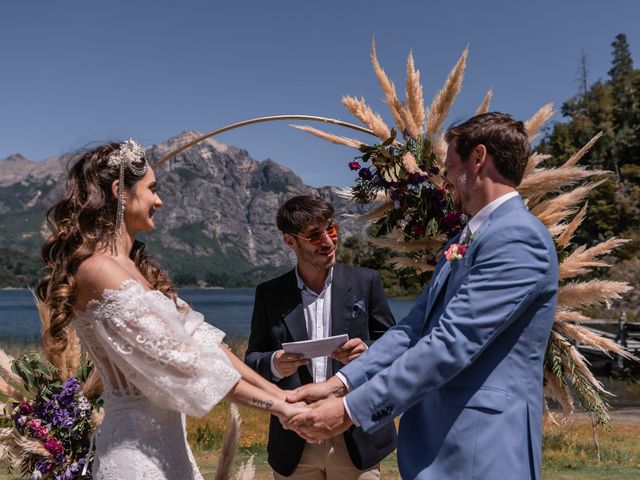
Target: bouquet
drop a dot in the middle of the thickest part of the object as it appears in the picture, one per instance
(411, 178)
(51, 421)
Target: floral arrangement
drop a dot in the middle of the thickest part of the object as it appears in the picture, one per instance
(416, 219)
(52, 420)
(410, 176)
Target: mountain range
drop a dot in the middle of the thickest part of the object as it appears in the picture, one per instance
(216, 228)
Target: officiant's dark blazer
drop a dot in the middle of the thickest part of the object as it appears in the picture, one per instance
(358, 308)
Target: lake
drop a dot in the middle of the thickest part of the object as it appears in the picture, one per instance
(228, 309)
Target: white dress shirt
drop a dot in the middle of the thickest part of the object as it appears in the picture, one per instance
(317, 316)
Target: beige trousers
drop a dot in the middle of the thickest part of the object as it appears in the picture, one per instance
(329, 460)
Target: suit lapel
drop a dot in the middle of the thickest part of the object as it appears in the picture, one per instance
(293, 314)
(342, 301)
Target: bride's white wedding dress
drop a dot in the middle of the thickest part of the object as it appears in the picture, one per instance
(157, 363)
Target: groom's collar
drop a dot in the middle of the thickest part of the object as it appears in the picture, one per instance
(485, 212)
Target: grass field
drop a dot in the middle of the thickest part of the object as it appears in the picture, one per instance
(569, 451)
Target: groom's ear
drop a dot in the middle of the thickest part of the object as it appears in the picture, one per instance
(478, 156)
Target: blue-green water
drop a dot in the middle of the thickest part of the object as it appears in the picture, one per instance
(228, 309)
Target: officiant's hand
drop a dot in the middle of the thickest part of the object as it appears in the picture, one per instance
(350, 350)
(312, 392)
(287, 363)
(327, 418)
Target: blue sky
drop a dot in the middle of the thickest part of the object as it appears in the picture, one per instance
(74, 72)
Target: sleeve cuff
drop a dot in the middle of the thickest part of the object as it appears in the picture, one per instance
(274, 371)
(344, 380)
(346, 407)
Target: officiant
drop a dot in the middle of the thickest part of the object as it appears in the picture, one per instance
(319, 298)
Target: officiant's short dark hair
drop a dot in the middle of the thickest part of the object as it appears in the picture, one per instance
(298, 212)
(504, 137)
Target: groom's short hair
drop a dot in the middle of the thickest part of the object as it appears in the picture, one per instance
(505, 139)
(297, 212)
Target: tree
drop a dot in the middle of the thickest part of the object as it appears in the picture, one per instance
(612, 107)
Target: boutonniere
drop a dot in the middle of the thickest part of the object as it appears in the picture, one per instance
(358, 308)
(455, 252)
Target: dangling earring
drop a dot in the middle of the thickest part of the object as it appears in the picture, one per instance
(128, 152)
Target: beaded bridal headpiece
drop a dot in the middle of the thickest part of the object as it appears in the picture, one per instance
(128, 153)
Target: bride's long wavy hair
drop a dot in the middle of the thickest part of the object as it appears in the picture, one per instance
(84, 222)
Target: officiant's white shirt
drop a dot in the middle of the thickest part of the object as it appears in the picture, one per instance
(317, 316)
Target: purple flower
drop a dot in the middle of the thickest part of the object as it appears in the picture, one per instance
(70, 387)
(365, 174)
(44, 466)
(415, 179)
(394, 194)
(64, 418)
(355, 165)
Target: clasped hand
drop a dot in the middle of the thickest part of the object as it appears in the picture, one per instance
(327, 416)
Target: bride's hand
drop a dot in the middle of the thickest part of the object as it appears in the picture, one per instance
(290, 410)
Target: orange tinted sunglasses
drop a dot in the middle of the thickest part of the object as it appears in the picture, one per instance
(316, 238)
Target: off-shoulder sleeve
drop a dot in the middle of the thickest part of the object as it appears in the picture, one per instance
(170, 356)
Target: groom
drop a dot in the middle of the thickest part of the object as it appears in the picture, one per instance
(464, 367)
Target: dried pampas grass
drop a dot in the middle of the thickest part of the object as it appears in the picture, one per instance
(337, 139)
(406, 262)
(444, 99)
(558, 208)
(533, 162)
(359, 109)
(576, 157)
(535, 123)
(247, 471)
(554, 388)
(552, 180)
(93, 387)
(389, 90)
(414, 93)
(591, 293)
(583, 259)
(427, 243)
(229, 446)
(5, 368)
(565, 237)
(486, 102)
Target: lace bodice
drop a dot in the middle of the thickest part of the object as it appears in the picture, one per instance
(157, 362)
(143, 345)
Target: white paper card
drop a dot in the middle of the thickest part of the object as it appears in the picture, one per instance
(316, 348)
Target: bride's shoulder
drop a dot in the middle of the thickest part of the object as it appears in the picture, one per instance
(97, 274)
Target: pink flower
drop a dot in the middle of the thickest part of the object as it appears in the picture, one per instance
(455, 252)
(355, 165)
(53, 446)
(34, 423)
(41, 431)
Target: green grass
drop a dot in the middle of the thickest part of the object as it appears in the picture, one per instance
(569, 452)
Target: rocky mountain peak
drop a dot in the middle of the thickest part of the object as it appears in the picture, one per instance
(218, 219)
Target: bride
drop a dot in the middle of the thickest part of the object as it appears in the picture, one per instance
(157, 358)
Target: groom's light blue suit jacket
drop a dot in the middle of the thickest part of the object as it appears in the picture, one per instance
(464, 367)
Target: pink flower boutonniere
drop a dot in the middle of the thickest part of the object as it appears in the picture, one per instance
(455, 252)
